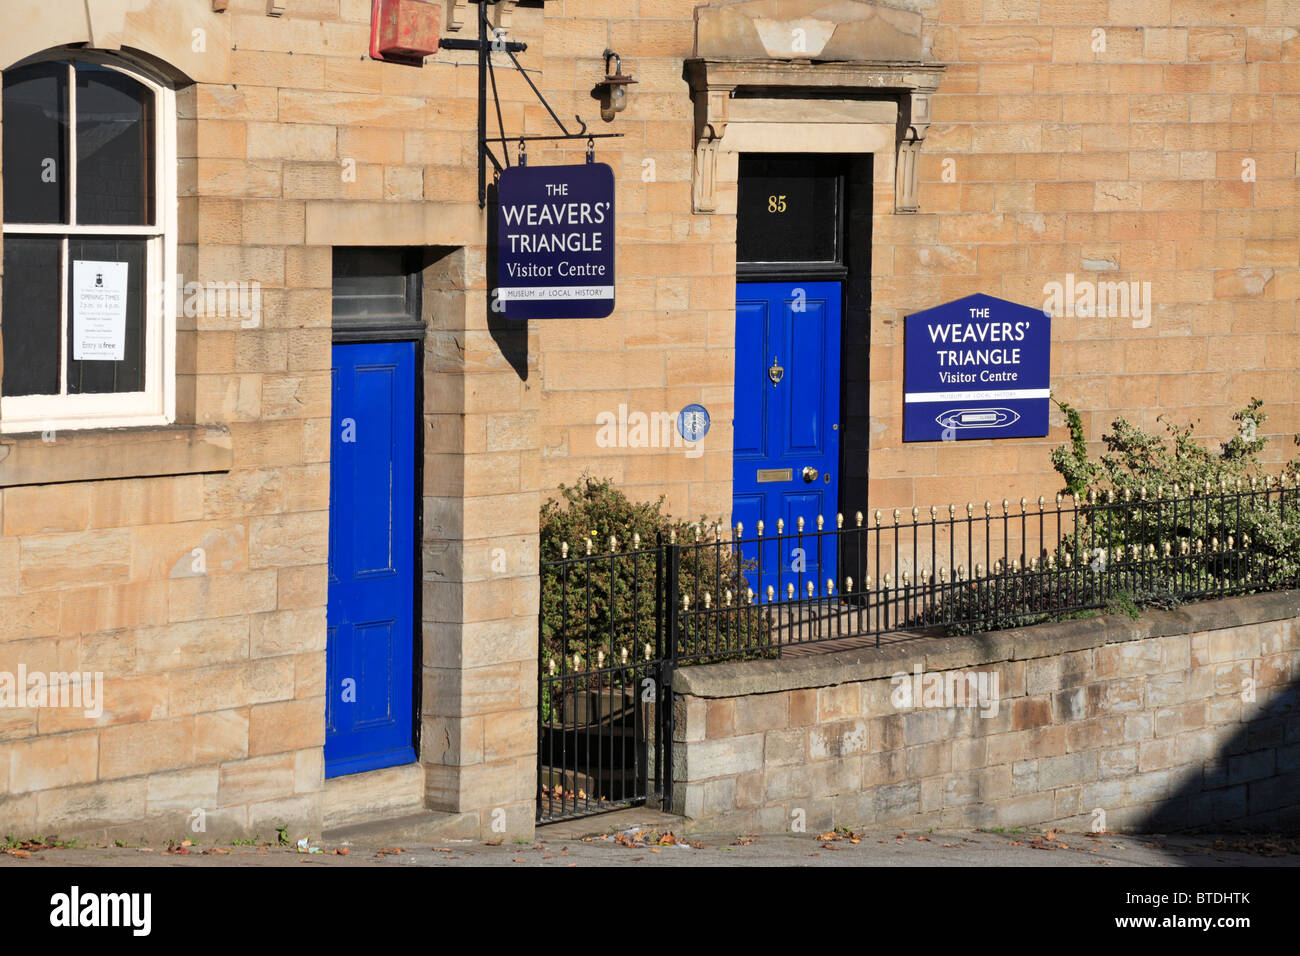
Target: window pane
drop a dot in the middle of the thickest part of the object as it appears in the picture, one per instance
(114, 158)
(36, 143)
(788, 209)
(106, 375)
(372, 284)
(29, 322)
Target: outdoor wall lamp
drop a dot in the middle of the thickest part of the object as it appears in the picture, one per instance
(612, 91)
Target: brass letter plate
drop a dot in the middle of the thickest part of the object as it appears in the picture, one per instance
(775, 474)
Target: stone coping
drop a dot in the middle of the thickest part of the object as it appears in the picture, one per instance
(950, 653)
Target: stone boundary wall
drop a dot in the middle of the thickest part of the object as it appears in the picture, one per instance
(1180, 719)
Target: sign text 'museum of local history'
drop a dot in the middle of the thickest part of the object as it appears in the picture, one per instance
(978, 367)
(555, 242)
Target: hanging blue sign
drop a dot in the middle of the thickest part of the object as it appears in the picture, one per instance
(979, 367)
(555, 242)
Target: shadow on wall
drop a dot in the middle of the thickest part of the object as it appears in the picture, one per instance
(1249, 781)
(511, 336)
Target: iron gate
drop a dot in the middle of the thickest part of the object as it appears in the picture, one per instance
(605, 667)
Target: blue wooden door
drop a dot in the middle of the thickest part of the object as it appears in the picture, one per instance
(370, 617)
(786, 446)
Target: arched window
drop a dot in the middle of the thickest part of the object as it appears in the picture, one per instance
(89, 170)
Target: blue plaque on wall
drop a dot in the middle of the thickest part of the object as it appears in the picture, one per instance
(979, 367)
(693, 422)
(555, 242)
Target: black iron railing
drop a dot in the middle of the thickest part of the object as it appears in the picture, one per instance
(615, 623)
(986, 567)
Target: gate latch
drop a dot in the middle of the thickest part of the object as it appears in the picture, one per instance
(776, 372)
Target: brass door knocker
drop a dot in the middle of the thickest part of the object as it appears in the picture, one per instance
(776, 372)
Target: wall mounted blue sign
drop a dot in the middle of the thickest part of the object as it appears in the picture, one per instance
(555, 242)
(693, 422)
(978, 367)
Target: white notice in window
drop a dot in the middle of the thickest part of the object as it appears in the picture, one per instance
(98, 311)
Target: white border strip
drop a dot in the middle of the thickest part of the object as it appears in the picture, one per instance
(994, 396)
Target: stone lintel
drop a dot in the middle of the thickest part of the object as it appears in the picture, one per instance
(716, 81)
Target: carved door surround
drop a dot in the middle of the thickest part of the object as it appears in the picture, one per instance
(808, 75)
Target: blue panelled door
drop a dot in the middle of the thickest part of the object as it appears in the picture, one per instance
(786, 446)
(370, 617)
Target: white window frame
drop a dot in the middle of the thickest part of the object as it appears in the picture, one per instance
(156, 405)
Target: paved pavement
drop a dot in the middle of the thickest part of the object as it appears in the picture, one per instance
(635, 838)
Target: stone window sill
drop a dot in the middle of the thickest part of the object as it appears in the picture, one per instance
(106, 453)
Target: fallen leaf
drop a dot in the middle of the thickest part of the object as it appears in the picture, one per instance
(342, 851)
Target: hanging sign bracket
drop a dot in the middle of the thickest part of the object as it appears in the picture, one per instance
(489, 42)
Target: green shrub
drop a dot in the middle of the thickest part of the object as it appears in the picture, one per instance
(1136, 459)
(609, 604)
(1140, 488)
(1196, 515)
(1161, 519)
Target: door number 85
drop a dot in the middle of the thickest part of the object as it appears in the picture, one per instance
(776, 204)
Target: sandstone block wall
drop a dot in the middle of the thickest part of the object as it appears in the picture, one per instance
(291, 142)
(1047, 158)
(1182, 719)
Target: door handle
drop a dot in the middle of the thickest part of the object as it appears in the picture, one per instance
(809, 473)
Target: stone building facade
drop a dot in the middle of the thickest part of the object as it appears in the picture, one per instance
(176, 540)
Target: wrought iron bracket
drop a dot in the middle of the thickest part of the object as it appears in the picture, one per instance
(490, 42)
